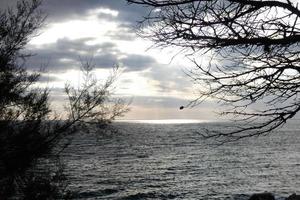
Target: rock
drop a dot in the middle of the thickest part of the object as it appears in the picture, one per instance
(262, 196)
(293, 197)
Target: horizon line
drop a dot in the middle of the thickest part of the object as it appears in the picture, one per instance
(166, 121)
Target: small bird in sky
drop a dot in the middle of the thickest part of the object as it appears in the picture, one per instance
(181, 107)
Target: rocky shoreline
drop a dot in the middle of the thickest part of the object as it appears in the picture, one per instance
(270, 196)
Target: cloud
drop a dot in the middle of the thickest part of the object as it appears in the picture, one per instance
(128, 14)
(65, 54)
(46, 78)
(7, 3)
(61, 10)
(169, 78)
(134, 62)
(122, 33)
(158, 101)
(119, 12)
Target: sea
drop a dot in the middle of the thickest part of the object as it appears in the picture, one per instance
(170, 160)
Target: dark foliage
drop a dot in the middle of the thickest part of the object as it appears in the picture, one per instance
(29, 130)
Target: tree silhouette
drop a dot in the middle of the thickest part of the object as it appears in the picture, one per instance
(29, 130)
(254, 56)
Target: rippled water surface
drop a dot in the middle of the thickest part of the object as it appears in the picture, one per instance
(171, 161)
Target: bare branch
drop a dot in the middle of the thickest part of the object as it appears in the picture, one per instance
(254, 69)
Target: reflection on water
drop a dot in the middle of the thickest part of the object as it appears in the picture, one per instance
(171, 161)
(167, 121)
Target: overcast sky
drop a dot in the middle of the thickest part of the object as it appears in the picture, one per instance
(105, 30)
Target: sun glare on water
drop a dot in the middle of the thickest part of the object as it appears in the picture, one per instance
(167, 121)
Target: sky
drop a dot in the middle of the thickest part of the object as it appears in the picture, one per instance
(105, 30)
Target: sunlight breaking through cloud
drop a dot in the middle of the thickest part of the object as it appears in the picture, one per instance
(105, 33)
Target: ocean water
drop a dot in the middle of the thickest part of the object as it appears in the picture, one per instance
(172, 161)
